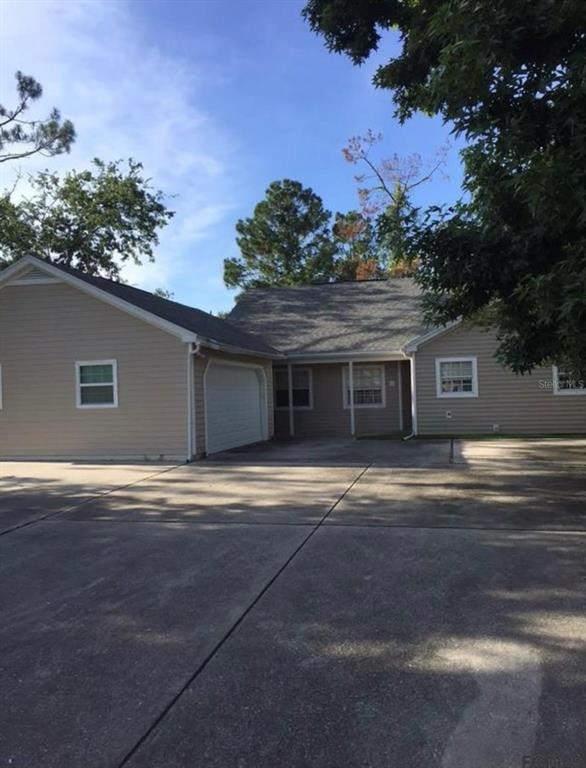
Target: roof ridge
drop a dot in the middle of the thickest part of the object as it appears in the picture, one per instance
(330, 283)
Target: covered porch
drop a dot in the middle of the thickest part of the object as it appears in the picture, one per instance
(333, 396)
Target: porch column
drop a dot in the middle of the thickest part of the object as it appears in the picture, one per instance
(413, 395)
(351, 386)
(400, 390)
(290, 389)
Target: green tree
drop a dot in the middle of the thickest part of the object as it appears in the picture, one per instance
(20, 138)
(287, 240)
(358, 250)
(93, 220)
(508, 75)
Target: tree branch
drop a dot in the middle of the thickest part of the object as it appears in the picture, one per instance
(378, 176)
(13, 116)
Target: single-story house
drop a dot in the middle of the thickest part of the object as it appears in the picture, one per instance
(92, 368)
(369, 338)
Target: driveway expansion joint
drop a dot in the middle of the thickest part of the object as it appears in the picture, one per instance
(51, 515)
(331, 525)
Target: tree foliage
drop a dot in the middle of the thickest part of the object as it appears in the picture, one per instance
(287, 240)
(509, 75)
(357, 246)
(93, 220)
(291, 239)
(163, 293)
(385, 189)
(20, 138)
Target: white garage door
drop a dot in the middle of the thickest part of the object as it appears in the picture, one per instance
(235, 406)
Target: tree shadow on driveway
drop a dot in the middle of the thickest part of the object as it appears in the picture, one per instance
(32, 490)
(387, 647)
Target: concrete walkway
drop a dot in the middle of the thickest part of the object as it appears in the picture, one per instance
(367, 604)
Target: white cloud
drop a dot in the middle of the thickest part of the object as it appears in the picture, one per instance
(127, 99)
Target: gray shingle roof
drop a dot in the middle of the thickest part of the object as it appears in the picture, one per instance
(368, 316)
(195, 320)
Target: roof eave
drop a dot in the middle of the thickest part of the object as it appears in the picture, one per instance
(345, 356)
(236, 350)
(419, 341)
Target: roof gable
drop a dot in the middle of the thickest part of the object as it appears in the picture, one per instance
(187, 323)
(430, 335)
(33, 276)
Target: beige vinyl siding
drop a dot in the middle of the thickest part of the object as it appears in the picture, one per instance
(44, 330)
(329, 418)
(200, 363)
(518, 404)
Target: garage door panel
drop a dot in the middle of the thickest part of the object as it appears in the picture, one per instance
(235, 407)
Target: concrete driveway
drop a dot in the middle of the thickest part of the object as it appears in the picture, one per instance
(319, 603)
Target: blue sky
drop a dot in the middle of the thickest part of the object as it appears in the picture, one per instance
(218, 98)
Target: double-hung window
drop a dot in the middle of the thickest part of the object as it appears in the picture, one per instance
(96, 384)
(567, 384)
(456, 377)
(302, 388)
(368, 386)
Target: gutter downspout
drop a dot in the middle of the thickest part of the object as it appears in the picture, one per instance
(413, 398)
(290, 398)
(351, 384)
(192, 352)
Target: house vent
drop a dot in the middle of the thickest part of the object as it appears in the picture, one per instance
(34, 276)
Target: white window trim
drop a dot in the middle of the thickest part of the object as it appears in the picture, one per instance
(438, 380)
(563, 392)
(296, 407)
(346, 386)
(78, 385)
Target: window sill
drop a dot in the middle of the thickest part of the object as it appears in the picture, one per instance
(456, 395)
(366, 407)
(295, 408)
(99, 406)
